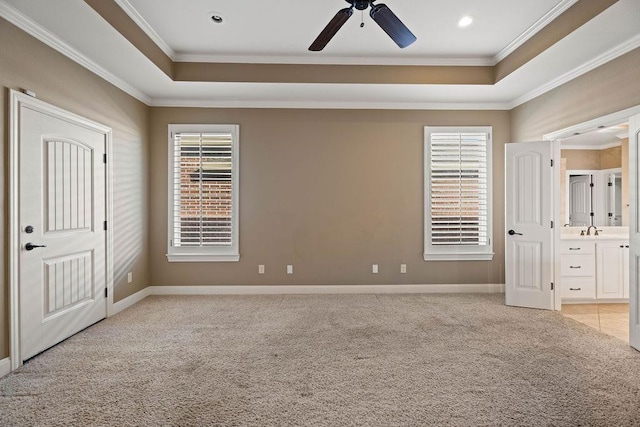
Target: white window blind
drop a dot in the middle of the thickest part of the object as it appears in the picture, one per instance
(203, 192)
(458, 193)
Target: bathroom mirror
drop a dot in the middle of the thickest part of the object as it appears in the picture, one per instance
(594, 197)
(614, 199)
(593, 177)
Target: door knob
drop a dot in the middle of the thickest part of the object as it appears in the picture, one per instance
(31, 246)
(511, 233)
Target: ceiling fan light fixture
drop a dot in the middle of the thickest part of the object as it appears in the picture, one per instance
(465, 21)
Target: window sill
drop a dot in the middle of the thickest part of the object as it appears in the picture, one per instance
(459, 257)
(202, 258)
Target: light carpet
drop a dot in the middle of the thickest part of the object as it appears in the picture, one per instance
(329, 360)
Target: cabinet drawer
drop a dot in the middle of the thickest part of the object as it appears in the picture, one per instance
(577, 248)
(578, 287)
(577, 265)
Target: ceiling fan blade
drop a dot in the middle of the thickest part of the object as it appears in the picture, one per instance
(390, 23)
(331, 29)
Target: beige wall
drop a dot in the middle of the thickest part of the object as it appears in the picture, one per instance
(593, 159)
(611, 158)
(612, 87)
(582, 159)
(330, 192)
(27, 63)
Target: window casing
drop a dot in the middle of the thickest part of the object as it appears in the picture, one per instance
(203, 193)
(457, 175)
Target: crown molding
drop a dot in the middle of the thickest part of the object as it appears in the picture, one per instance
(557, 10)
(166, 102)
(133, 13)
(621, 49)
(240, 59)
(35, 30)
(592, 147)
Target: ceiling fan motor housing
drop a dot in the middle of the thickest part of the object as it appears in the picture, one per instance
(360, 4)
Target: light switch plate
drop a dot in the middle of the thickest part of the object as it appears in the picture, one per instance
(261, 269)
(374, 268)
(129, 277)
(289, 269)
(403, 268)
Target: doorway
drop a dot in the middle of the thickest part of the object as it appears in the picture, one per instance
(614, 214)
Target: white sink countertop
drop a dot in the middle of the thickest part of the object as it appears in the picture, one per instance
(604, 233)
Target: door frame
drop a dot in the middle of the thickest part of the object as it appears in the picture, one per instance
(589, 125)
(16, 101)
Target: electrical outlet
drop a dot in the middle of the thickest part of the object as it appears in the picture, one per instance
(374, 268)
(261, 269)
(289, 269)
(129, 277)
(403, 268)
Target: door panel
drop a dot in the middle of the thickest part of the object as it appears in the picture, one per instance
(62, 198)
(529, 249)
(634, 232)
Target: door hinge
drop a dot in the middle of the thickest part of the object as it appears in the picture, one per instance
(591, 185)
(609, 184)
(104, 225)
(551, 224)
(106, 292)
(104, 158)
(552, 286)
(592, 214)
(551, 162)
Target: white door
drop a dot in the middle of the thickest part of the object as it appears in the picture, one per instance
(529, 255)
(580, 200)
(62, 239)
(634, 232)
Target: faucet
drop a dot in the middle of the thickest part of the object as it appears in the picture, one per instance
(589, 230)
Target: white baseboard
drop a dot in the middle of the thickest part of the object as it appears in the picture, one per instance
(326, 289)
(130, 300)
(5, 366)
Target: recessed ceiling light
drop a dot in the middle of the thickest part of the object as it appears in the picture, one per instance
(465, 21)
(216, 17)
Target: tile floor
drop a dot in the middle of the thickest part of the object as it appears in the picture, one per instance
(612, 319)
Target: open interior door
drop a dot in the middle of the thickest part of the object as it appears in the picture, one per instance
(529, 238)
(634, 232)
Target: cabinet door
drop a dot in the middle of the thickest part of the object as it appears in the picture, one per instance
(609, 277)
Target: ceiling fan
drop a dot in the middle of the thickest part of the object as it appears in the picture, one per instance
(380, 13)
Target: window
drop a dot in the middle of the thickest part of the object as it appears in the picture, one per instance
(457, 193)
(203, 193)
